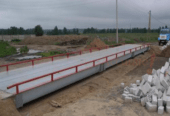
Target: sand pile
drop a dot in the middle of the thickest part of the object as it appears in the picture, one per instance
(96, 43)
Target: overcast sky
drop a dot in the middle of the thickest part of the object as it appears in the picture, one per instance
(83, 13)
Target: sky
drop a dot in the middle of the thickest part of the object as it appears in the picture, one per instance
(83, 13)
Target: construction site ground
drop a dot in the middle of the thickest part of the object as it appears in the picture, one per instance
(98, 95)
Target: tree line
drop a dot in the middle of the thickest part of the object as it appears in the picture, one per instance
(38, 31)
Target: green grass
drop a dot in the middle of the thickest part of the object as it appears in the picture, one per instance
(128, 37)
(24, 49)
(51, 53)
(6, 49)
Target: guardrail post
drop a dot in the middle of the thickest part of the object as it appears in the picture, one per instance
(32, 62)
(17, 89)
(67, 55)
(94, 63)
(76, 69)
(106, 59)
(124, 53)
(116, 55)
(52, 79)
(140, 47)
(7, 68)
(90, 50)
(130, 50)
(52, 58)
(80, 53)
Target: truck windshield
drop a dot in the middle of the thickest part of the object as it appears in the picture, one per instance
(165, 31)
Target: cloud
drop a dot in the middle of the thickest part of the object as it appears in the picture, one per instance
(83, 14)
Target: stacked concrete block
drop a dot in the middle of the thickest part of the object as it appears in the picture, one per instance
(160, 110)
(152, 91)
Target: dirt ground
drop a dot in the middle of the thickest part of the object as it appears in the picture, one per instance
(98, 95)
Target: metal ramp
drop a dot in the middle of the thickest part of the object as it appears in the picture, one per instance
(32, 82)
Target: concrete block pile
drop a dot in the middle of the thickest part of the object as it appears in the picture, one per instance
(165, 46)
(152, 91)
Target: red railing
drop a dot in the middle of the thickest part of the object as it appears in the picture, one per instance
(52, 57)
(73, 67)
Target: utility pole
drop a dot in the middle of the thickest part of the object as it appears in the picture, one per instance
(117, 22)
(149, 25)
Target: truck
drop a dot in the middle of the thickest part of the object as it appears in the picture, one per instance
(164, 36)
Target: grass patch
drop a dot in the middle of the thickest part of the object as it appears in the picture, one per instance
(6, 49)
(24, 49)
(51, 53)
(129, 41)
(109, 42)
(57, 43)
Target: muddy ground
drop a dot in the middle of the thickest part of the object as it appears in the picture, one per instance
(98, 95)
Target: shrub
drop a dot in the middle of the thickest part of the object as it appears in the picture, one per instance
(24, 49)
(15, 40)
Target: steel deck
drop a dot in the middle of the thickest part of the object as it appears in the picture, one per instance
(21, 75)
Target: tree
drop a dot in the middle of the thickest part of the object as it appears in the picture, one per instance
(55, 31)
(38, 30)
(166, 26)
(65, 30)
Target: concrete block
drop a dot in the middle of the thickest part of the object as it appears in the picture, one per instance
(133, 85)
(151, 107)
(124, 95)
(136, 98)
(168, 101)
(138, 92)
(143, 101)
(143, 82)
(158, 72)
(131, 90)
(128, 99)
(149, 79)
(134, 90)
(163, 70)
(146, 88)
(154, 99)
(166, 65)
(165, 84)
(122, 85)
(145, 77)
(167, 77)
(126, 92)
(160, 102)
(168, 109)
(153, 71)
(137, 82)
(160, 94)
(168, 92)
(127, 89)
(160, 110)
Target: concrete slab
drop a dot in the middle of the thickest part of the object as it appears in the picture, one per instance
(168, 92)
(153, 71)
(160, 94)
